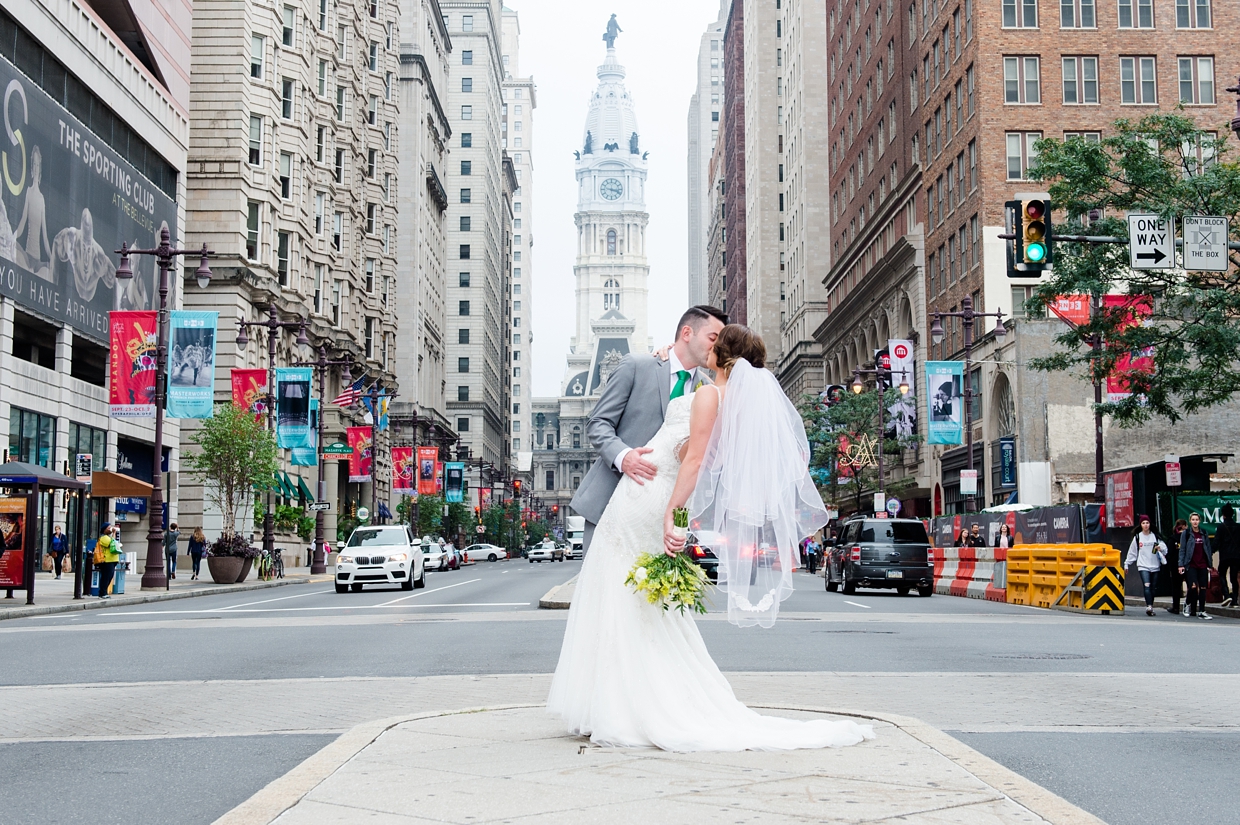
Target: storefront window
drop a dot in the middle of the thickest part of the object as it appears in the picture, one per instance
(32, 437)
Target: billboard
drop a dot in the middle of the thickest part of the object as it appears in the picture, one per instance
(67, 204)
(945, 387)
(191, 364)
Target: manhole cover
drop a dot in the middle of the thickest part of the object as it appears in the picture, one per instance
(1039, 656)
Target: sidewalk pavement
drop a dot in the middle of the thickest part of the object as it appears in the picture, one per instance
(515, 764)
(559, 597)
(52, 595)
(1164, 604)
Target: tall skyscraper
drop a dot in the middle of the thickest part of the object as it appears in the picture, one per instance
(705, 110)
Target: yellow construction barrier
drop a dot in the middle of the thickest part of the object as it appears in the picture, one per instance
(1018, 573)
(1079, 577)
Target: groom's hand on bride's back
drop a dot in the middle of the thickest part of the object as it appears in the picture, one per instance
(636, 467)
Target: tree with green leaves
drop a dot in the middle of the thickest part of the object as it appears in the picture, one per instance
(431, 518)
(234, 456)
(1163, 164)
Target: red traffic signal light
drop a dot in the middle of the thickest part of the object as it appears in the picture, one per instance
(555, 508)
(516, 486)
(478, 513)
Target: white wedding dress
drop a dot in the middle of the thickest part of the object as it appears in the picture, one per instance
(634, 675)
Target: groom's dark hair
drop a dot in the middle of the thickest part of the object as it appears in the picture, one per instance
(695, 316)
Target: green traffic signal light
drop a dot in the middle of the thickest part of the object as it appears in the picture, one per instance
(1035, 253)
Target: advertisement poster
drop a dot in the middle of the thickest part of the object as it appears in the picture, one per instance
(12, 542)
(427, 458)
(249, 390)
(1007, 461)
(945, 383)
(404, 468)
(68, 202)
(1119, 494)
(293, 407)
(902, 411)
(360, 461)
(131, 382)
(454, 480)
(191, 363)
(308, 456)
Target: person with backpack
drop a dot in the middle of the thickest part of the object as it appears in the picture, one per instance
(170, 549)
(59, 549)
(107, 556)
(1173, 569)
(1227, 541)
(1195, 557)
(1149, 553)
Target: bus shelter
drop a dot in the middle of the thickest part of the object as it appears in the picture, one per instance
(20, 486)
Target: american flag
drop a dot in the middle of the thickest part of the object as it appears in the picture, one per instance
(351, 394)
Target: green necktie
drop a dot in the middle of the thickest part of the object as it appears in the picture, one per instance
(682, 378)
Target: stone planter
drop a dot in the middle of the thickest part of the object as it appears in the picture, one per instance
(245, 569)
(227, 569)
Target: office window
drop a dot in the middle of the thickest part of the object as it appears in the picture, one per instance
(463, 279)
(1136, 14)
(516, 206)
(1020, 153)
(372, 110)
(282, 253)
(465, 223)
(258, 46)
(256, 140)
(342, 43)
(372, 56)
(464, 252)
(371, 156)
(975, 241)
(320, 212)
(462, 393)
(1020, 14)
(462, 365)
(516, 390)
(1197, 80)
(462, 335)
(340, 104)
(286, 98)
(251, 230)
(465, 196)
(972, 165)
(1137, 81)
(1021, 80)
(387, 186)
(370, 275)
(322, 78)
(462, 308)
(1192, 14)
(467, 58)
(32, 438)
(338, 167)
(1077, 14)
(387, 85)
(467, 113)
(371, 209)
(387, 137)
(467, 84)
(286, 175)
(337, 229)
(467, 22)
(467, 167)
(462, 425)
(1080, 80)
(1199, 155)
(467, 140)
(290, 19)
(322, 15)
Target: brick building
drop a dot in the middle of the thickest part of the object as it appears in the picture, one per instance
(732, 135)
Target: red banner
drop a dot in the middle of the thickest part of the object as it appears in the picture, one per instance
(1136, 308)
(360, 461)
(1073, 309)
(131, 392)
(428, 457)
(404, 469)
(249, 390)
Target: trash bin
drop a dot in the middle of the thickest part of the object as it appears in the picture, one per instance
(118, 581)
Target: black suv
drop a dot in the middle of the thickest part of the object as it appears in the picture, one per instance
(703, 557)
(881, 553)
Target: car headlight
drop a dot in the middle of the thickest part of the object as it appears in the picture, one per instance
(397, 557)
(344, 560)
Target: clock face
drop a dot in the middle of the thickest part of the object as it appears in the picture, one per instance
(611, 189)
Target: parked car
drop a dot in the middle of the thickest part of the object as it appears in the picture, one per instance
(434, 556)
(547, 551)
(881, 553)
(380, 555)
(703, 557)
(485, 552)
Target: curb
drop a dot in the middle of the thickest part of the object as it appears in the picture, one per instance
(93, 603)
(559, 597)
(1165, 604)
(282, 794)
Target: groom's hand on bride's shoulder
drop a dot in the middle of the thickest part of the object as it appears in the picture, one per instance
(663, 352)
(636, 467)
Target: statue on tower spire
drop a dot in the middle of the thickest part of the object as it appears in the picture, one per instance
(613, 29)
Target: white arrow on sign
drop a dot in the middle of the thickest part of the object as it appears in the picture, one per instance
(1205, 243)
(314, 507)
(1151, 242)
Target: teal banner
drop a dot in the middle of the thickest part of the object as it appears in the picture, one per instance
(945, 391)
(191, 364)
(293, 407)
(308, 456)
(454, 480)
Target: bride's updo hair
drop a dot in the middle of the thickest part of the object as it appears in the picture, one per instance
(737, 341)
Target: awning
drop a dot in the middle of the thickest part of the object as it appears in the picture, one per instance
(304, 490)
(104, 484)
(384, 511)
(287, 486)
(21, 473)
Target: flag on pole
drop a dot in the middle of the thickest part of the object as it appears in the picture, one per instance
(383, 410)
(349, 396)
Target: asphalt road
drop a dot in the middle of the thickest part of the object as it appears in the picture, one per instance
(485, 620)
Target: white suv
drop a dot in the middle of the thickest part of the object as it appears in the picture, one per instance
(380, 555)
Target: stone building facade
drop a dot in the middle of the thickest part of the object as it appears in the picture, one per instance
(705, 112)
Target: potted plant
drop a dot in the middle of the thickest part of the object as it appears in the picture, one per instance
(235, 455)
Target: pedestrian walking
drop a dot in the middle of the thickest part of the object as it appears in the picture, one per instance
(59, 549)
(1195, 556)
(811, 556)
(1173, 568)
(107, 555)
(1004, 539)
(1149, 553)
(170, 549)
(197, 548)
(1227, 542)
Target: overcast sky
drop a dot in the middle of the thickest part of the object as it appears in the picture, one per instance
(561, 46)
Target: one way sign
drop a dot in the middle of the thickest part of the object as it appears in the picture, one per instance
(1151, 242)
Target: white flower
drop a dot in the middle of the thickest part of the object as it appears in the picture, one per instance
(640, 574)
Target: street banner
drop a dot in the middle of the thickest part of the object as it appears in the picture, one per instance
(293, 407)
(383, 410)
(249, 391)
(362, 458)
(902, 411)
(191, 364)
(1136, 309)
(945, 388)
(1119, 498)
(1208, 505)
(427, 458)
(404, 468)
(69, 201)
(308, 456)
(13, 543)
(1071, 309)
(131, 383)
(439, 478)
(454, 480)
(1007, 461)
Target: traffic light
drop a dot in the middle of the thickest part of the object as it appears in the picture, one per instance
(1031, 250)
(555, 508)
(478, 514)
(516, 487)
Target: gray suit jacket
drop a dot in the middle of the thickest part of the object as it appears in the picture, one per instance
(628, 414)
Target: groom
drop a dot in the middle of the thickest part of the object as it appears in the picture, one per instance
(632, 407)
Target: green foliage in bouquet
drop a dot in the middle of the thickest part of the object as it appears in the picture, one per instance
(680, 517)
(672, 581)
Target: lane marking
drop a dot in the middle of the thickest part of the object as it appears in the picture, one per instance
(280, 599)
(333, 607)
(855, 604)
(428, 592)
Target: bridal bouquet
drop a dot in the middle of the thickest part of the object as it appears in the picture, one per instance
(672, 581)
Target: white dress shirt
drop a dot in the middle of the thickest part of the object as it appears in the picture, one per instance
(676, 367)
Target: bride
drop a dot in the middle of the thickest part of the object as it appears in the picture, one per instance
(634, 675)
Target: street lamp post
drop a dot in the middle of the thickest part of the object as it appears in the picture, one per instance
(881, 375)
(154, 576)
(968, 316)
(318, 562)
(273, 325)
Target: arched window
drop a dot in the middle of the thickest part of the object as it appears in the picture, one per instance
(611, 294)
(611, 242)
